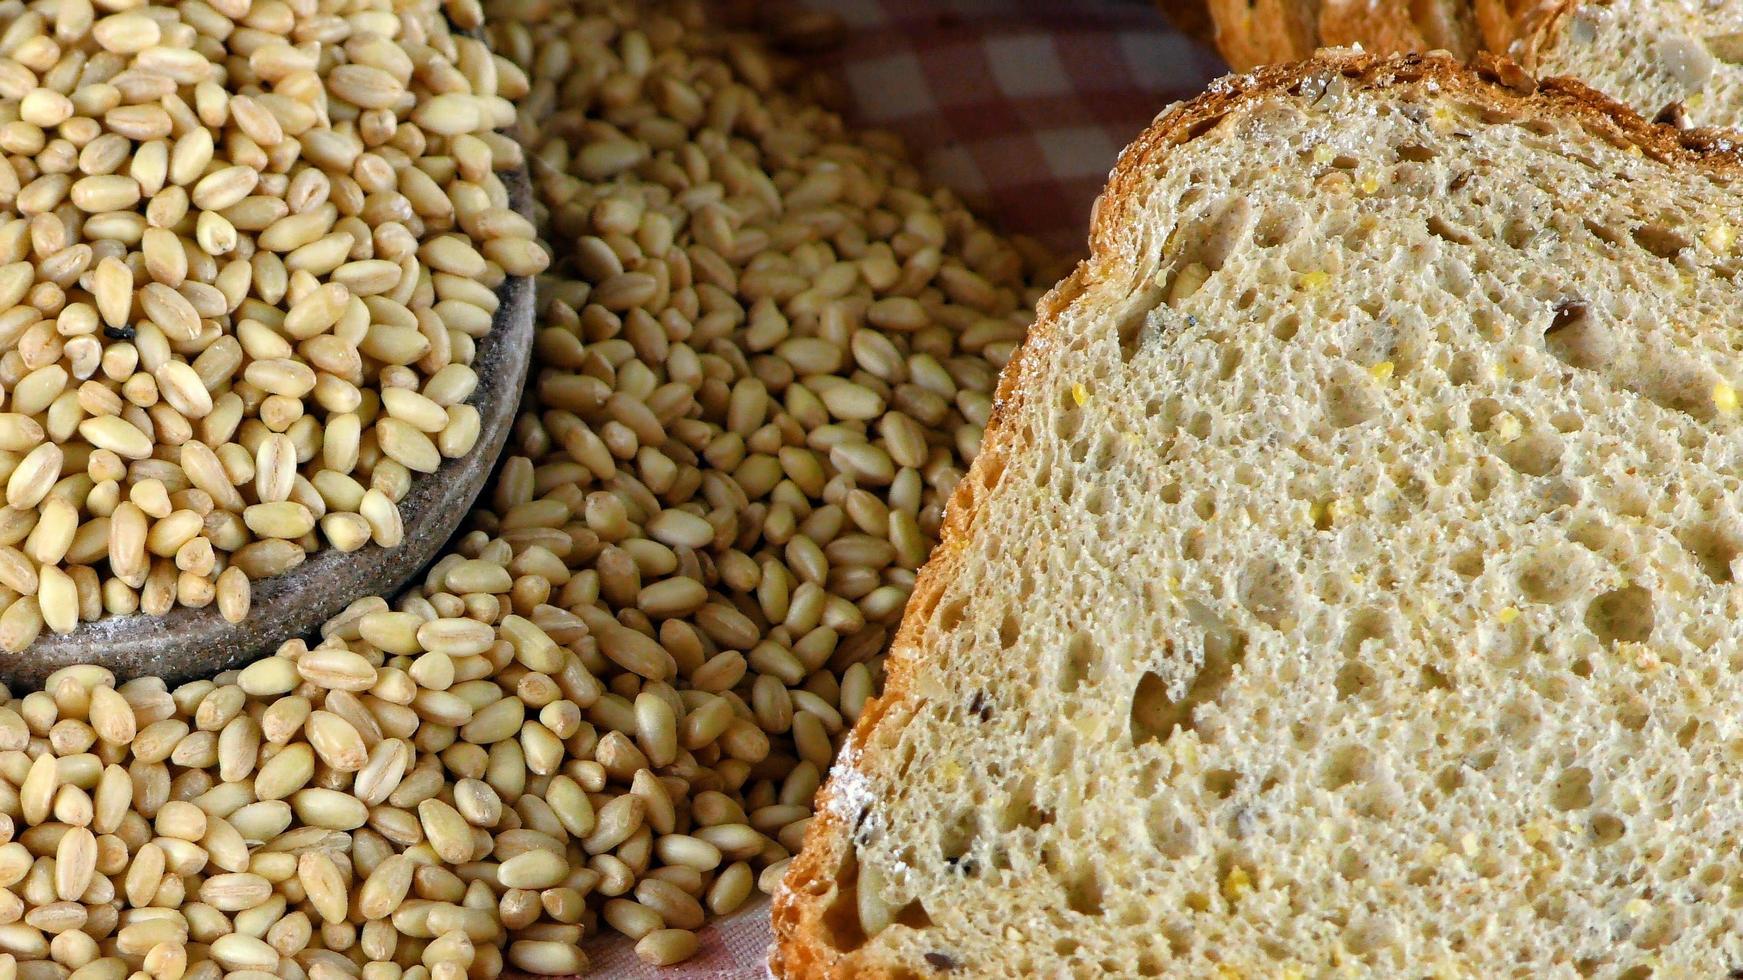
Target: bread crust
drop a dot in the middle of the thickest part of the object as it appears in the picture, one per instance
(801, 949)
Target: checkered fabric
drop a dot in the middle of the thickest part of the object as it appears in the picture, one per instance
(1021, 106)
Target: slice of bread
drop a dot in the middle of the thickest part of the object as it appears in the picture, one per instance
(1250, 33)
(1349, 582)
(1682, 58)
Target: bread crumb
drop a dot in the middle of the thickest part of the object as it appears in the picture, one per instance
(1369, 184)
(1719, 237)
(1323, 154)
(1315, 281)
(1507, 615)
(1637, 908)
(1382, 371)
(1468, 844)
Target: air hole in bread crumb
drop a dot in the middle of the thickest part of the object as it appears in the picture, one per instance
(1369, 624)
(950, 616)
(1676, 384)
(1286, 327)
(1211, 238)
(1220, 783)
(1351, 399)
(1553, 573)
(1171, 830)
(1533, 454)
(1572, 790)
(1660, 241)
(1345, 765)
(1200, 425)
(1415, 152)
(1621, 615)
(1468, 563)
(1077, 662)
(1355, 679)
(1230, 362)
(1020, 809)
(1519, 233)
(1277, 226)
(956, 837)
(1449, 779)
(1153, 716)
(1135, 316)
(1715, 546)
(841, 924)
(1431, 678)
(1607, 829)
(913, 915)
(1083, 894)
(1577, 337)
(1270, 591)
(1441, 228)
(1483, 413)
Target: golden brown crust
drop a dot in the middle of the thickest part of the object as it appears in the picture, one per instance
(801, 950)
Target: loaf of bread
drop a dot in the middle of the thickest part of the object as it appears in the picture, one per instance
(1679, 59)
(1349, 583)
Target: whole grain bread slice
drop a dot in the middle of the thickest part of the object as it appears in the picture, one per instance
(1349, 582)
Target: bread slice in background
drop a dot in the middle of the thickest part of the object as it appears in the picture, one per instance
(1349, 579)
(1250, 33)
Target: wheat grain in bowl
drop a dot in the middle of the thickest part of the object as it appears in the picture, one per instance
(608, 706)
(246, 252)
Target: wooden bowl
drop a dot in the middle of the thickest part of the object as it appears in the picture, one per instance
(189, 643)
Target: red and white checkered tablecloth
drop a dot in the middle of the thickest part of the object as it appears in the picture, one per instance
(1020, 106)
